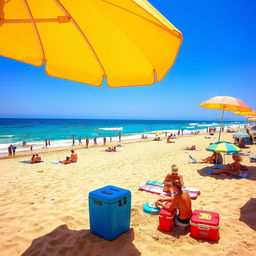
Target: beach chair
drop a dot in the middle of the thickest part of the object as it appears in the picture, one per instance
(192, 159)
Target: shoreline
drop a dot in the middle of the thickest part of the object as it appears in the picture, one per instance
(62, 144)
(91, 146)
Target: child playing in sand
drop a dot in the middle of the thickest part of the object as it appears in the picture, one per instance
(170, 177)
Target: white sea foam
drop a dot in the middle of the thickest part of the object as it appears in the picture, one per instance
(112, 129)
(193, 123)
(64, 143)
(7, 136)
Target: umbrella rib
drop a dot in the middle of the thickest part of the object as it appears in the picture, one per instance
(83, 35)
(38, 36)
(175, 32)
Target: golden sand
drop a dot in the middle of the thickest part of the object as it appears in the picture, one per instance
(44, 207)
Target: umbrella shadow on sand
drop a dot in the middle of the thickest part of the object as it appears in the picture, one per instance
(248, 214)
(64, 241)
(251, 171)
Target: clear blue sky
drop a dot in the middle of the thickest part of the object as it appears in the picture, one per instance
(217, 57)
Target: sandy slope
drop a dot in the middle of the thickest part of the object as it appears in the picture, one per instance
(44, 207)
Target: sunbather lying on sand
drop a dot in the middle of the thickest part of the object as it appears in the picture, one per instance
(233, 168)
(191, 148)
(113, 149)
(181, 201)
(170, 177)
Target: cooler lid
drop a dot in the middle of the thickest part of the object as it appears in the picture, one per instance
(109, 194)
(205, 217)
(166, 213)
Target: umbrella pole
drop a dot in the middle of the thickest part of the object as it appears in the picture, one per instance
(222, 116)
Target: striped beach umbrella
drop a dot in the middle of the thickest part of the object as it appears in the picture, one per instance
(225, 103)
(223, 147)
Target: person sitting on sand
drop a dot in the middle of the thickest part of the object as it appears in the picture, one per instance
(191, 148)
(233, 168)
(36, 159)
(215, 158)
(241, 143)
(66, 161)
(73, 157)
(170, 177)
(181, 201)
(156, 138)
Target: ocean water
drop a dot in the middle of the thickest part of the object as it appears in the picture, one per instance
(59, 131)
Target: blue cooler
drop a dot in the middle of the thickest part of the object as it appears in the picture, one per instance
(110, 211)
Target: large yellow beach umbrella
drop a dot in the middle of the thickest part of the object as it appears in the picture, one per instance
(225, 103)
(127, 42)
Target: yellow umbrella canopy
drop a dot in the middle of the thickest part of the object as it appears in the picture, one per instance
(252, 118)
(127, 42)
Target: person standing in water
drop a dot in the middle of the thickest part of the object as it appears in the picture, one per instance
(86, 142)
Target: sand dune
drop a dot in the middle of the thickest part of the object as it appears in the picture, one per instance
(44, 207)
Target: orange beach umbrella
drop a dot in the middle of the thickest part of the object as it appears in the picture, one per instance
(126, 42)
(225, 103)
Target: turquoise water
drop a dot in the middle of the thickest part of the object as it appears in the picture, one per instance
(33, 131)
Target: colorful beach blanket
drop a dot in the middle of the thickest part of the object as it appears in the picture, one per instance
(155, 189)
(161, 184)
(241, 175)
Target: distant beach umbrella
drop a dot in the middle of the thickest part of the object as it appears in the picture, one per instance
(126, 42)
(242, 134)
(225, 103)
(252, 119)
(251, 113)
(223, 147)
(159, 133)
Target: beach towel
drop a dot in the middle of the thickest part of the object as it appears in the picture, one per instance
(56, 163)
(241, 175)
(161, 184)
(159, 190)
(29, 162)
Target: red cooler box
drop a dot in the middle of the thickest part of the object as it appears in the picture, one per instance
(205, 225)
(166, 220)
